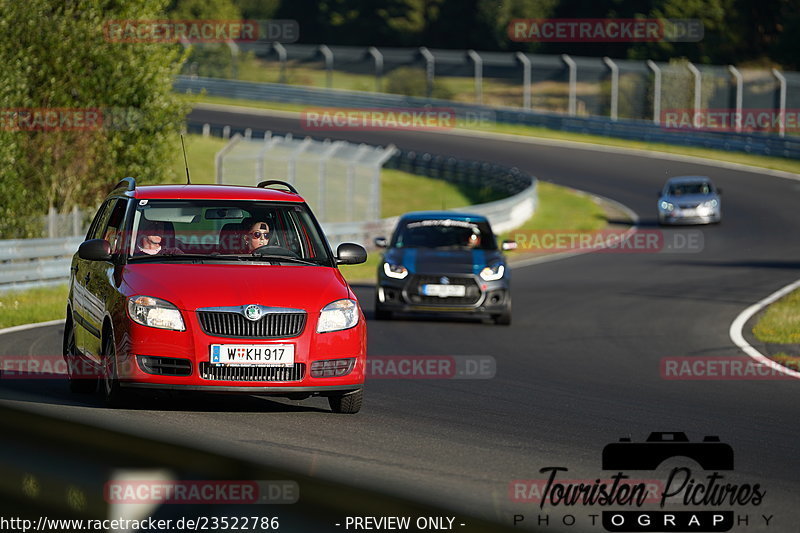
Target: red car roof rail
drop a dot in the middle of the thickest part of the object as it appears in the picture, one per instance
(128, 183)
(266, 184)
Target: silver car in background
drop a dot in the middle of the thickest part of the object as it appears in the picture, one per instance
(689, 200)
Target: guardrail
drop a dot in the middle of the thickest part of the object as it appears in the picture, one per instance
(640, 130)
(29, 263)
(504, 215)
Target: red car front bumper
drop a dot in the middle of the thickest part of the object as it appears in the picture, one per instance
(182, 360)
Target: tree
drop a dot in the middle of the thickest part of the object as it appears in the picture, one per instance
(55, 56)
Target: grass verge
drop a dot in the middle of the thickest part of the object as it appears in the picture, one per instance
(791, 362)
(774, 163)
(780, 323)
(33, 305)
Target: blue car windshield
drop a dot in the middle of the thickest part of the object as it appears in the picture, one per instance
(445, 234)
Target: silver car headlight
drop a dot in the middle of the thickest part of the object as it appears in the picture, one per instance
(395, 271)
(493, 273)
(155, 313)
(338, 315)
(667, 206)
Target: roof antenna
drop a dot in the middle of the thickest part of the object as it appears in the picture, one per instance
(185, 162)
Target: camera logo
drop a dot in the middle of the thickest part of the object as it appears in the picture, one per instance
(708, 499)
(710, 454)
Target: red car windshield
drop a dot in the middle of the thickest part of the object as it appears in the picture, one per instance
(216, 228)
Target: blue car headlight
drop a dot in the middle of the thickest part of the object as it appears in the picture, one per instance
(493, 273)
(711, 204)
(667, 206)
(395, 271)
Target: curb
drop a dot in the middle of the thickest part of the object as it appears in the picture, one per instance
(737, 326)
(23, 327)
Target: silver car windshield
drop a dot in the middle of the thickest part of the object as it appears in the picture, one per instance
(680, 189)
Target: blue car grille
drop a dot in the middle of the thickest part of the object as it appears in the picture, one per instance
(415, 296)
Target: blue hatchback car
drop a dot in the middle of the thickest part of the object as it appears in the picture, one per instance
(444, 262)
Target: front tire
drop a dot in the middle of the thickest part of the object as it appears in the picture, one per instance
(380, 312)
(503, 319)
(77, 383)
(114, 395)
(348, 404)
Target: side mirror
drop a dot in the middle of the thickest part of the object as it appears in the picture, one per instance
(719, 191)
(350, 254)
(95, 250)
(381, 242)
(509, 245)
(658, 194)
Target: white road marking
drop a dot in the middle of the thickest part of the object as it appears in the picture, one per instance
(737, 326)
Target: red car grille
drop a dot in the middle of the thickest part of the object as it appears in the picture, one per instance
(270, 326)
(252, 373)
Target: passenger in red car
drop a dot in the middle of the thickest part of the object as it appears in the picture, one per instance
(257, 235)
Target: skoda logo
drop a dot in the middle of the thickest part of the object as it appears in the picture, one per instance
(252, 312)
(444, 280)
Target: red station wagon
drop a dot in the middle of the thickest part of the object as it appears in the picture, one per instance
(213, 288)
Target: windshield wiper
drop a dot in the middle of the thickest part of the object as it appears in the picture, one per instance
(178, 256)
(286, 258)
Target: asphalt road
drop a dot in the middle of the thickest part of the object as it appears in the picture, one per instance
(579, 367)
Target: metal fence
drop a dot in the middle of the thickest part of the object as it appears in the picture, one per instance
(339, 180)
(518, 205)
(638, 130)
(574, 85)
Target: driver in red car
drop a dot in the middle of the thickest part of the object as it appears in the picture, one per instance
(150, 240)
